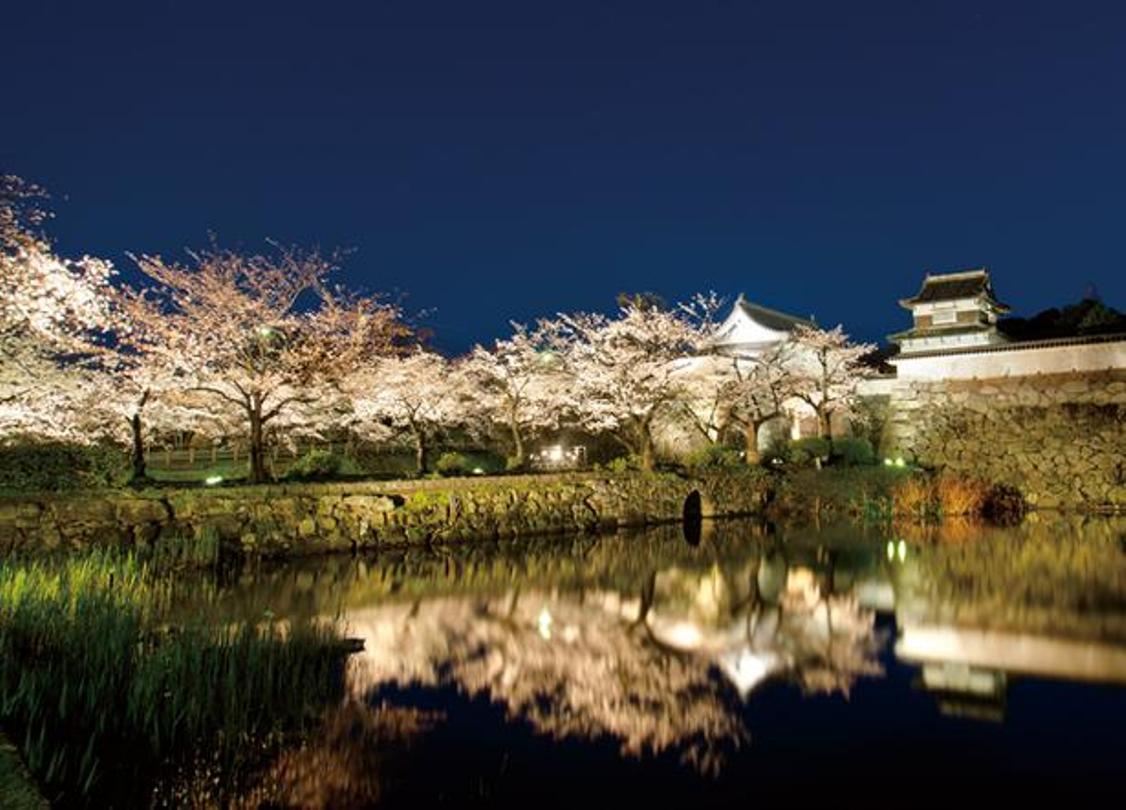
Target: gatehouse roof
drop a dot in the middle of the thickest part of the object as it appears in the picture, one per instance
(955, 286)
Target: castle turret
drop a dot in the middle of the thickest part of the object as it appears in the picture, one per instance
(952, 310)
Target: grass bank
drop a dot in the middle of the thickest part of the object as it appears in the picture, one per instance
(103, 697)
(888, 493)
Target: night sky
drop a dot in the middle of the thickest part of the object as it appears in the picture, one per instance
(503, 160)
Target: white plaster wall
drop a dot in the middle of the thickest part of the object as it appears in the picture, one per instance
(1014, 362)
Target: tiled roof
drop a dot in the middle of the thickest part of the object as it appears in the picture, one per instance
(966, 329)
(771, 318)
(952, 286)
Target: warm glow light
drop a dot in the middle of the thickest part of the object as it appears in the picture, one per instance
(891, 549)
(683, 636)
(478, 471)
(902, 550)
(212, 480)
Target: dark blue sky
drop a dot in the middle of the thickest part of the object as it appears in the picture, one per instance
(500, 160)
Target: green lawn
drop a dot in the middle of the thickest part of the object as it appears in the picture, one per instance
(228, 470)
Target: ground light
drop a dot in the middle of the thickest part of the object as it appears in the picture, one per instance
(212, 480)
(543, 622)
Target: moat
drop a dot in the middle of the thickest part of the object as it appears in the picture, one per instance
(674, 666)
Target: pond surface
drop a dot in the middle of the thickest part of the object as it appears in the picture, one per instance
(741, 663)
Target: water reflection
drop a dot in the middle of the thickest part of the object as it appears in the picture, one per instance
(663, 646)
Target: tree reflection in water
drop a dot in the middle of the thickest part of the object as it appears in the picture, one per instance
(661, 646)
(659, 667)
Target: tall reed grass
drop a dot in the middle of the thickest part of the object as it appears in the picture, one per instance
(100, 694)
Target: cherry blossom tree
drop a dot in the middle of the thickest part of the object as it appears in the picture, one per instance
(628, 370)
(418, 395)
(742, 392)
(828, 372)
(518, 383)
(260, 333)
(54, 316)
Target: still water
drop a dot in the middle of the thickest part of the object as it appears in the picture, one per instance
(890, 667)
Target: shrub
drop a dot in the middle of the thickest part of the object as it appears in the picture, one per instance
(716, 456)
(1004, 504)
(914, 497)
(316, 465)
(777, 455)
(853, 452)
(862, 492)
(623, 464)
(958, 495)
(450, 464)
(62, 466)
(805, 451)
(488, 462)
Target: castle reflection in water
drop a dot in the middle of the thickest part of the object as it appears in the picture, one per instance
(658, 644)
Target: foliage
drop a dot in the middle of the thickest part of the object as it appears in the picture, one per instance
(714, 456)
(186, 551)
(829, 376)
(231, 327)
(316, 465)
(61, 466)
(1087, 317)
(99, 694)
(940, 496)
(450, 464)
(1004, 504)
(868, 419)
(624, 464)
(418, 396)
(862, 492)
(914, 497)
(627, 371)
(852, 452)
(778, 454)
(519, 383)
(957, 495)
(805, 452)
(742, 393)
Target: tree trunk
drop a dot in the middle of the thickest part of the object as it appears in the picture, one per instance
(257, 443)
(517, 445)
(420, 452)
(138, 448)
(750, 443)
(825, 424)
(647, 453)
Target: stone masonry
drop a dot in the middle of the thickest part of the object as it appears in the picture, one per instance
(1060, 439)
(293, 519)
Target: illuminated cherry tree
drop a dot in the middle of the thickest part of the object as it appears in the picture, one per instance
(828, 372)
(628, 371)
(259, 333)
(742, 393)
(519, 383)
(418, 396)
(54, 315)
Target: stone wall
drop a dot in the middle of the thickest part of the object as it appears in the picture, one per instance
(297, 519)
(1060, 439)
